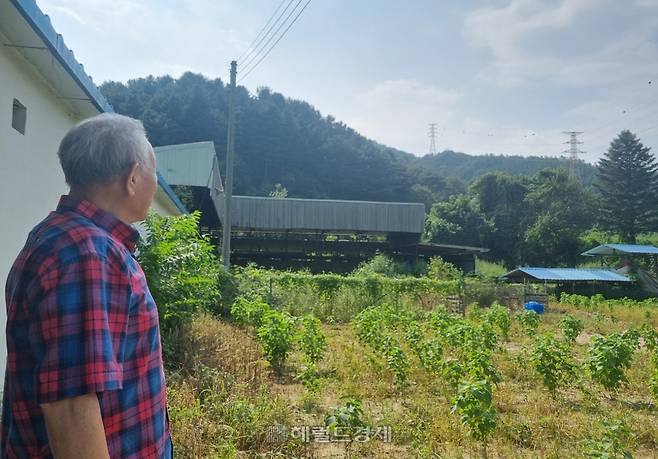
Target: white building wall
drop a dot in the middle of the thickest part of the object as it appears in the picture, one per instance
(163, 205)
(31, 179)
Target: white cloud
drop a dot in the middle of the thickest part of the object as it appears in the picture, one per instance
(393, 110)
(630, 53)
(122, 39)
(397, 113)
(632, 107)
(152, 37)
(72, 14)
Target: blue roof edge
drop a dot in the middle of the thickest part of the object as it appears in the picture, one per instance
(167, 189)
(623, 248)
(40, 22)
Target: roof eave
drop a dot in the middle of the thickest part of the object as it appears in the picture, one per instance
(42, 26)
(170, 193)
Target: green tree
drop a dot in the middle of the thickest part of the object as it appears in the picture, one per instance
(627, 182)
(457, 221)
(439, 269)
(181, 268)
(500, 198)
(560, 210)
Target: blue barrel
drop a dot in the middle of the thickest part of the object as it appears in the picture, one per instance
(534, 306)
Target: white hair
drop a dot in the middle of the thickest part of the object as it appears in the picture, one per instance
(100, 149)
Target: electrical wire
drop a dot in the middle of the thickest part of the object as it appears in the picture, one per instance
(279, 39)
(247, 52)
(273, 35)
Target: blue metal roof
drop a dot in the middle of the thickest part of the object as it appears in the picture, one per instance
(621, 249)
(41, 24)
(569, 274)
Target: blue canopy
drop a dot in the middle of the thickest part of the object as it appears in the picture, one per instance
(621, 249)
(567, 274)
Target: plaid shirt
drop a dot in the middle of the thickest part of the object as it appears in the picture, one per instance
(81, 319)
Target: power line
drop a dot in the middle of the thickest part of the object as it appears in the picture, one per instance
(432, 135)
(253, 48)
(279, 39)
(271, 36)
(246, 68)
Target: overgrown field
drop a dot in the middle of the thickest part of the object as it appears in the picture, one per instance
(267, 364)
(574, 382)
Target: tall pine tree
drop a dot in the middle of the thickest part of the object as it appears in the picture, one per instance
(627, 181)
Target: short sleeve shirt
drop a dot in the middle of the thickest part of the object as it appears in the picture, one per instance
(80, 320)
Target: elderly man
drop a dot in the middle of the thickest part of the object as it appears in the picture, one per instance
(84, 375)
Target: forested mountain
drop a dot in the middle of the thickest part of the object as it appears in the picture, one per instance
(286, 141)
(278, 140)
(468, 167)
(526, 210)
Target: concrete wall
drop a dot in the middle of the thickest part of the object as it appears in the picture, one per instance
(31, 179)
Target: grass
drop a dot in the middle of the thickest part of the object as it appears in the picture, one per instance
(489, 269)
(224, 397)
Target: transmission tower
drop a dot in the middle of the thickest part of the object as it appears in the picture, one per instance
(573, 150)
(432, 135)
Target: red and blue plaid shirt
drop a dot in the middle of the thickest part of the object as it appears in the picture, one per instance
(80, 320)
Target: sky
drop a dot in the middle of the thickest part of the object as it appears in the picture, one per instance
(497, 76)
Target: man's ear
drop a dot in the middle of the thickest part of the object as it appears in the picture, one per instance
(131, 179)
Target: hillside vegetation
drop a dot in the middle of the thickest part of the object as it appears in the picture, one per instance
(526, 210)
(287, 141)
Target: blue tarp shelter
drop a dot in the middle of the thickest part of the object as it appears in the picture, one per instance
(621, 250)
(571, 275)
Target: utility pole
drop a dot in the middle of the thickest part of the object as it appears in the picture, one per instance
(432, 135)
(573, 150)
(228, 190)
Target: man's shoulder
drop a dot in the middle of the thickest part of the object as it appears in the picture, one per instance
(65, 237)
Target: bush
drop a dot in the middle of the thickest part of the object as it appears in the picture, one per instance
(571, 328)
(484, 292)
(438, 269)
(379, 264)
(276, 334)
(181, 268)
(311, 340)
(337, 298)
(529, 322)
(249, 311)
(473, 403)
(489, 269)
(347, 417)
(384, 265)
(608, 357)
(308, 377)
(499, 316)
(553, 361)
(653, 381)
(396, 361)
(613, 442)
